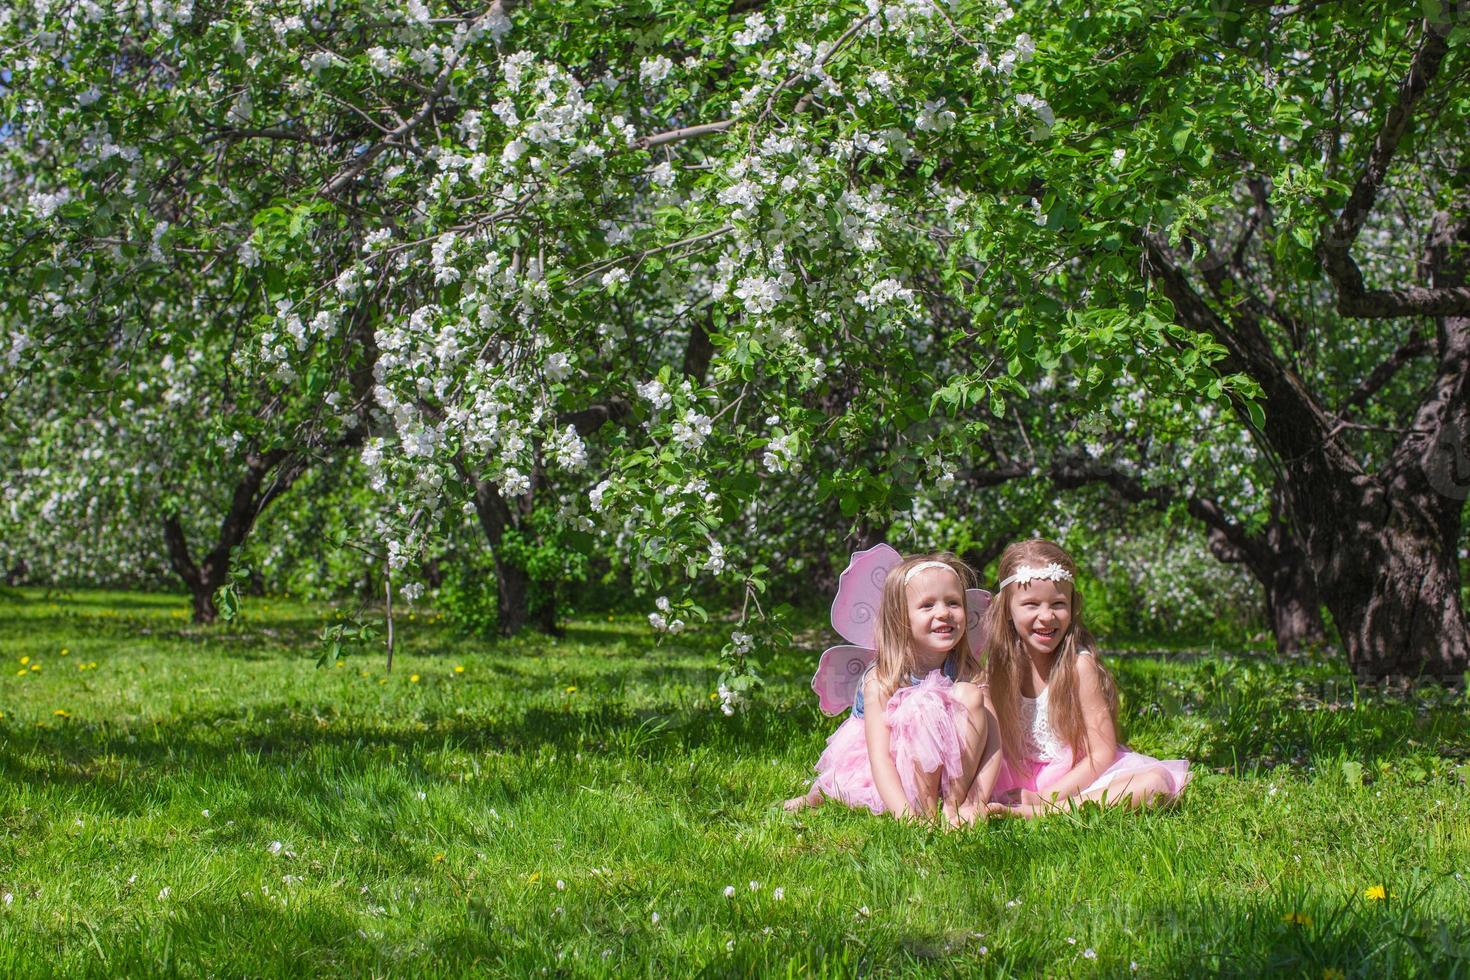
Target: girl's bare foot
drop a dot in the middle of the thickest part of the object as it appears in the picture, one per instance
(950, 815)
(811, 798)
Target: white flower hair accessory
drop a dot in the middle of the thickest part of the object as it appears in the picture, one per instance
(1026, 574)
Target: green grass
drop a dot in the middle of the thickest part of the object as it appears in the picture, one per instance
(536, 810)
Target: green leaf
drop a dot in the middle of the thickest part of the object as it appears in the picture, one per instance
(1256, 413)
(227, 602)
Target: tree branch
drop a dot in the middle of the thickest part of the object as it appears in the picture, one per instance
(1383, 374)
(681, 134)
(1228, 540)
(995, 476)
(1335, 246)
(1296, 423)
(441, 84)
(288, 135)
(178, 549)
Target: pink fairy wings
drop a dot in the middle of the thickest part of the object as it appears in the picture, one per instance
(854, 617)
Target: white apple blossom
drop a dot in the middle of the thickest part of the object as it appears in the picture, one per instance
(654, 70)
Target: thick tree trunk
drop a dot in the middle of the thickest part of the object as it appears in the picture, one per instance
(1277, 560)
(1383, 544)
(1293, 604)
(203, 579)
(1396, 597)
(1294, 608)
(512, 595)
(513, 586)
(251, 496)
(202, 598)
(1394, 589)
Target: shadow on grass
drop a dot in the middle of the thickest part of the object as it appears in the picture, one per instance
(499, 933)
(70, 605)
(1242, 728)
(110, 757)
(1308, 936)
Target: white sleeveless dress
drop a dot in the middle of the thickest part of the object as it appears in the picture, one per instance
(1048, 758)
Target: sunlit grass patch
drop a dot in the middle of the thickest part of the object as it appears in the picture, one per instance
(207, 800)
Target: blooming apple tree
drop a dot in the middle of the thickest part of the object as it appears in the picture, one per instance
(626, 270)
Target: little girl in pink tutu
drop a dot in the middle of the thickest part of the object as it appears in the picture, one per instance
(917, 727)
(1054, 703)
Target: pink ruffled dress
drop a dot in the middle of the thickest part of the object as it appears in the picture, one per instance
(924, 725)
(1048, 759)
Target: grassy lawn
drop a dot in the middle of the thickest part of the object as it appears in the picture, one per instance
(206, 801)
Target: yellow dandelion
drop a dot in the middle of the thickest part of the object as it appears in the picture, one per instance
(382, 680)
(1297, 918)
(61, 713)
(92, 665)
(64, 651)
(572, 689)
(25, 660)
(459, 668)
(22, 672)
(35, 666)
(413, 678)
(1376, 893)
(535, 877)
(340, 663)
(439, 858)
(81, 666)
(714, 695)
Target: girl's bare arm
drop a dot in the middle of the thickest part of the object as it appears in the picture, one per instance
(1102, 742)
(880, 754)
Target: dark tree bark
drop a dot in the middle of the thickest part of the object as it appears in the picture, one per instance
(698, 351)
(266, 477)
(1278, 562)
(1383, 544)
(512, 584)
(1293, 603)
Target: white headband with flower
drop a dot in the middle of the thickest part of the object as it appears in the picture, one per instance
(1025, 575)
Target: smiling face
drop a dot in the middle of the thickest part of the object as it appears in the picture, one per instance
(936, 607)
(1041, 612)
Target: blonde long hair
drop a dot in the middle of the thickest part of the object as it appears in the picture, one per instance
(1007, 659)
(892, 634)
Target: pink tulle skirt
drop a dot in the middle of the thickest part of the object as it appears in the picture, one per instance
(925, 723)
(1038, 776)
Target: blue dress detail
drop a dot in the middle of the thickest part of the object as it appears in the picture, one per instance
(950, 670)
